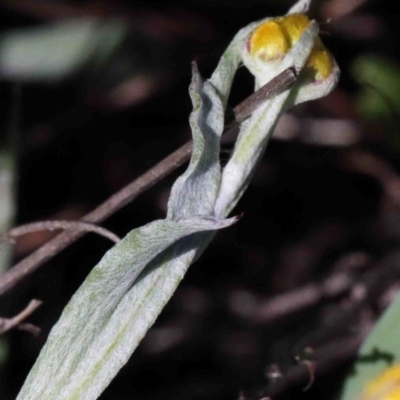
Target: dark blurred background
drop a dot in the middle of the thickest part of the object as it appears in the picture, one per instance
(95, 92)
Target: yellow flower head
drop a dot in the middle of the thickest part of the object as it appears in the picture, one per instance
(384, 387)
(273, 39)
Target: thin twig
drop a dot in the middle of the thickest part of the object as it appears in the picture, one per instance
(310, 365)
(300, 299)
(30, 328)
(9, 323)
(280, 83)
(29, 264)
(57, 225)
(346, 323)
(327, 358)
(366, 292)
(337, 9)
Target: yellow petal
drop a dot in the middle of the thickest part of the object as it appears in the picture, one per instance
(268, 42)
(320, 61)
(293, 26)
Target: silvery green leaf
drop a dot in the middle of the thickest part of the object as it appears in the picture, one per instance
(255, 132)
(307, 91)
(121, 298)
(80, 358)
(229, 62)
(123, 295)
(194, 193)
(54, 51)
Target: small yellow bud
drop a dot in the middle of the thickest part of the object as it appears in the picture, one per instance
(384, 387)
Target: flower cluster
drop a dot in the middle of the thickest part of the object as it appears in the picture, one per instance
(273, 40)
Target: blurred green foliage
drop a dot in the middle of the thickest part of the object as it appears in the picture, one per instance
(379, 96)
(380, 350)
(55, 51)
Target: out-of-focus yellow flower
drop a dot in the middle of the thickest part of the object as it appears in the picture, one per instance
(386, 386)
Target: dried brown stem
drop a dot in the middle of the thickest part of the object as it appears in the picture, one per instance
(56, 225)
(7, 324)
(30, 328)
(338, 340)
(29, 264)
(298, 300)
(327, 358)
(310, 365)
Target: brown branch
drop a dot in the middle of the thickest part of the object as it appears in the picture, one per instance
(356, 314)
(310, 365)
(7, 324)
(369, 164)
(338, 340)
(337, 9)
(287, 304)
(29, 264)
(327, 358)
(78, 226)
(30, 328)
